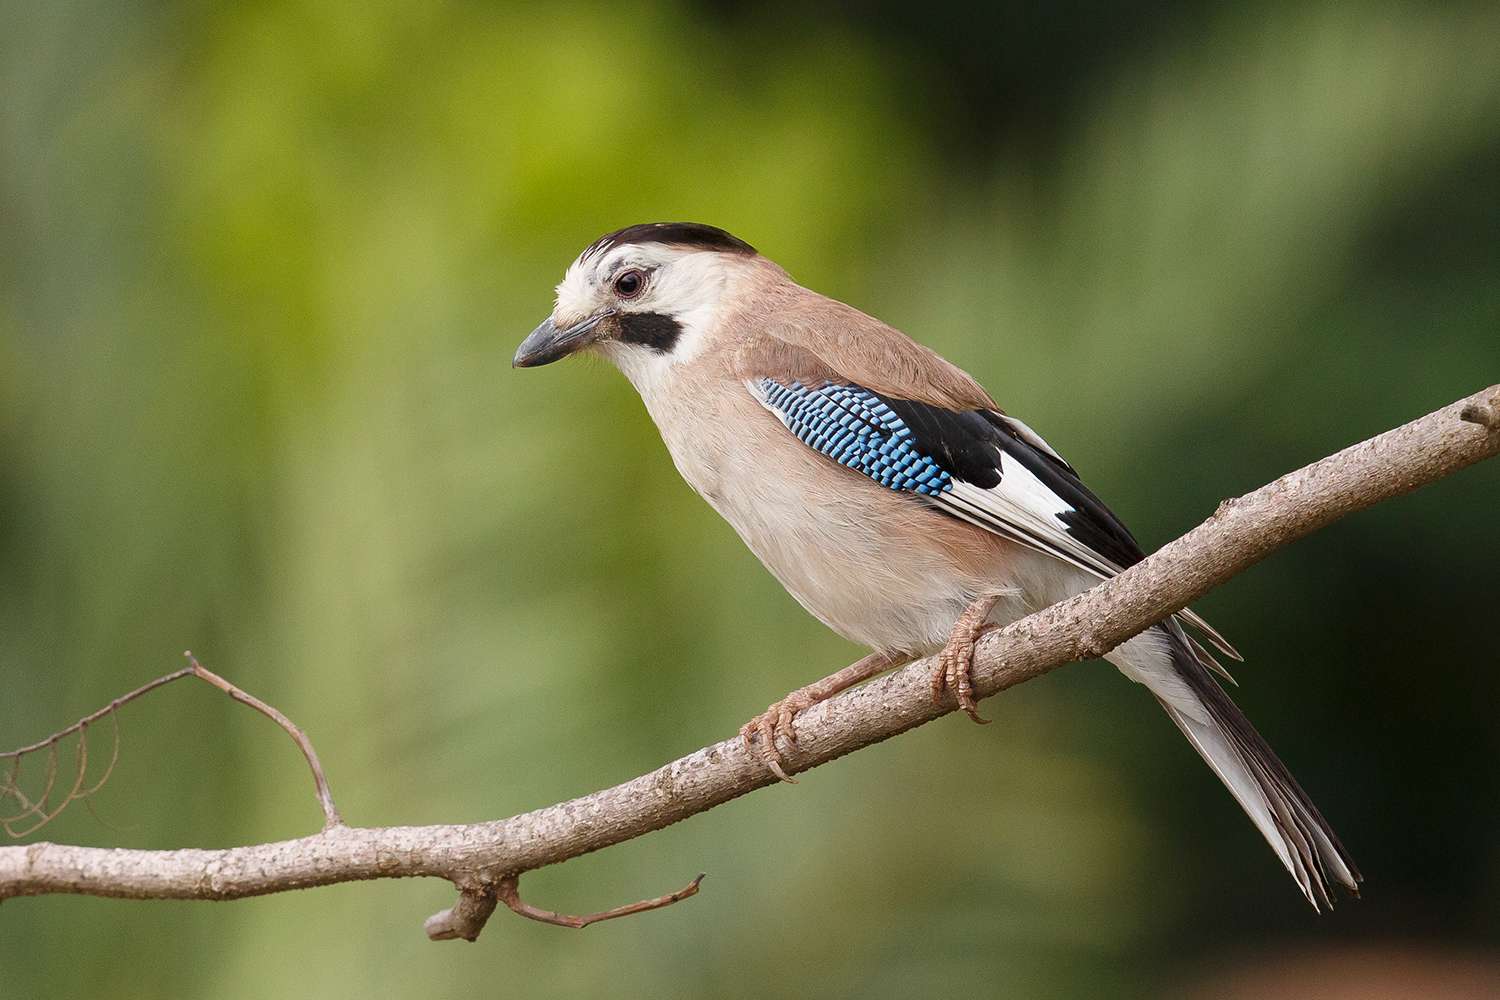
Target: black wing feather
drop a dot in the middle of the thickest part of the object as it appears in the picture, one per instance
(969, 443)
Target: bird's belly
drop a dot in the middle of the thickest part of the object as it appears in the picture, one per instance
(876, 566)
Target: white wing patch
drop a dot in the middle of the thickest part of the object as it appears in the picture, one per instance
(1023, 508)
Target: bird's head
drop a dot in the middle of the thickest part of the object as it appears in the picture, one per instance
(643, 295)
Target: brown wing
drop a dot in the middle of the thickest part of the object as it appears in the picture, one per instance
(810, 336)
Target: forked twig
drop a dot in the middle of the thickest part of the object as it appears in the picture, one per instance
(93, 717)
(41, 810)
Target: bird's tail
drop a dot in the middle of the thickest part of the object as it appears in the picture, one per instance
(1252, 772)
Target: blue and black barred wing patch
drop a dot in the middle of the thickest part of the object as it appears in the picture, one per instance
(857, 428)
(977, 465)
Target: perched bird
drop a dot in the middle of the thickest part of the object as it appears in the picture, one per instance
(889, 493)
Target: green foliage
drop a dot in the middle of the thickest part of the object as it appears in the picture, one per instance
(262, 268)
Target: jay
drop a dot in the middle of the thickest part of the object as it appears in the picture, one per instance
(890, 494)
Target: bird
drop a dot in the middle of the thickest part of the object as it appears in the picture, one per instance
(890, 495)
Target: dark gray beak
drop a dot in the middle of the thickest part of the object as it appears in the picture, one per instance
(547, 343)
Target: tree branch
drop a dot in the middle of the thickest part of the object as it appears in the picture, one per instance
(484, 859)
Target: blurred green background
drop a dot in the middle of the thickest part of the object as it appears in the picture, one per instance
(262, 269)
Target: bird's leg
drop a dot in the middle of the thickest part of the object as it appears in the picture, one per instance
(956, 660)
(777, 719)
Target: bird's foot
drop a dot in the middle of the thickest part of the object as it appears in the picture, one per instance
(759, 734)
(955, 662)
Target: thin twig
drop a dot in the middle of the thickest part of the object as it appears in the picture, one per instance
(42, 808)
(476, 903)
(509, 893)
(114, 758)
(331, 816)
(43, 812)
(92, 717)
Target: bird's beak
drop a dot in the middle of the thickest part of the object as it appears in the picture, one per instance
(547, 343)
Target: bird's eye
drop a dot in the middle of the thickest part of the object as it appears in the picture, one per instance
(629, 284)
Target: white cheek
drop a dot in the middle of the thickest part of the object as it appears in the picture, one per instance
(696, 324)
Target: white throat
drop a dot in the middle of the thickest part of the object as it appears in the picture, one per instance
(651, 370)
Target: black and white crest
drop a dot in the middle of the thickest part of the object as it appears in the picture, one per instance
(685, 234)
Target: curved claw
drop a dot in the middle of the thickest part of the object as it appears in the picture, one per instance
(760, 726)
(953, 671)
(773, 764)
(778, 719)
